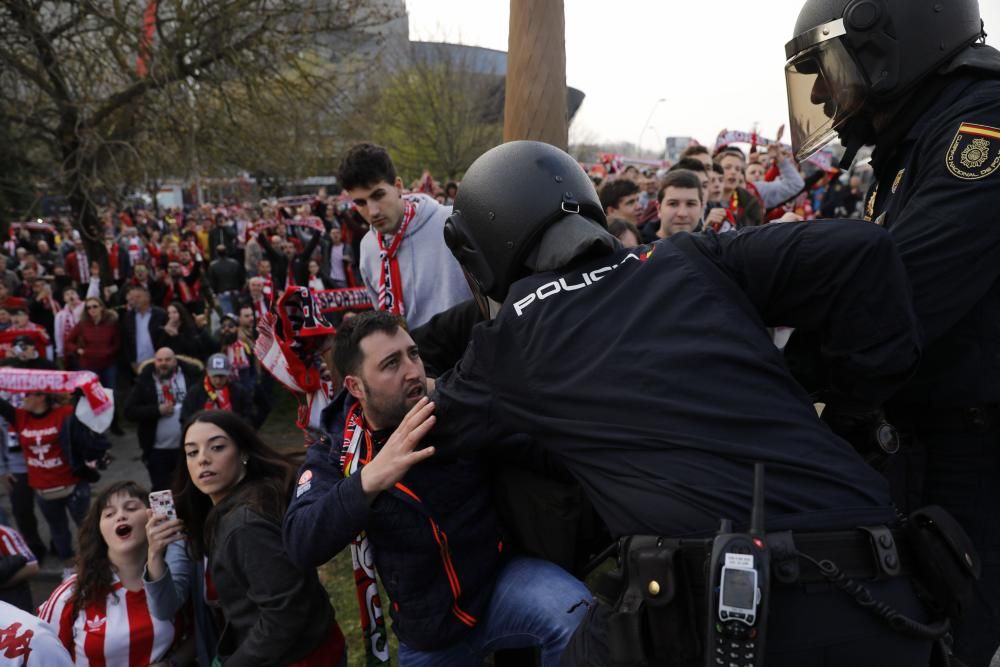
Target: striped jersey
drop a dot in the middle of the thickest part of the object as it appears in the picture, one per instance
(12, 544)
(117, 631)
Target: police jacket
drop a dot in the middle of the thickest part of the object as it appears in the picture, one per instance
(649, 373)
(938, 194)
(434, 577)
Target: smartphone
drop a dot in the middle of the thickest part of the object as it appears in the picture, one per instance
(162, 504)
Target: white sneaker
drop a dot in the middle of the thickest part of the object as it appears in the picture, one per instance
(67, 573)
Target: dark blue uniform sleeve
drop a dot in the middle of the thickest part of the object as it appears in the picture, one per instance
(948, 229)
(465, 402)
(842, 278)
(326, 512)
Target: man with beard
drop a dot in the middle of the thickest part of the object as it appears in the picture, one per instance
(455, 598)
(155, 405)
(236, 343)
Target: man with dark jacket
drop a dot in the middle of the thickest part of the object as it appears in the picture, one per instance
(288, 266)
(141, 320)
(226, 276)
(430, 523)
(155, 405)
(216, 392)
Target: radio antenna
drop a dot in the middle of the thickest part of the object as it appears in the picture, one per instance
(757, 513)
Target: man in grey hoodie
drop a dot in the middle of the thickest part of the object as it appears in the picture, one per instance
(404, 262)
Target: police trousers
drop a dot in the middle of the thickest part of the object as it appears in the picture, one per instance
(951, 457)
(810, 625)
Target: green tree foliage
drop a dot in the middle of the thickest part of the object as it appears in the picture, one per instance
(89, 118)
(438, 112)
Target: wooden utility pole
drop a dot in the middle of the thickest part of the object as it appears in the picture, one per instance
(535, 102)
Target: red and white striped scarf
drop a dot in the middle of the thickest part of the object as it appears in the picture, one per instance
(218, 399)
(239, 358)
(358, 450)
(134, 249)
(390, 286)
(112, 249)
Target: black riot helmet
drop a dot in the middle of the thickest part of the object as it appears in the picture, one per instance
(850, 56)
(507, 199)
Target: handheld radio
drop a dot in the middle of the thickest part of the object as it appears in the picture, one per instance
(739, 589)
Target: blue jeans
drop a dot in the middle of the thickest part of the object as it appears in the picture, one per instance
(227, 301)
(535, 603)
(55, 511)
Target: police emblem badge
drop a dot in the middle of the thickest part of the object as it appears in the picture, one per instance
(975, 152)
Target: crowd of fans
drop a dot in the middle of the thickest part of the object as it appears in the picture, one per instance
(169, 323)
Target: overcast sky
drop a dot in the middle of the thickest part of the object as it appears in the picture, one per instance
(718, 63)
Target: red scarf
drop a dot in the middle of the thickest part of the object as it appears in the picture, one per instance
(358, 450)
(268, 289)
(237, 353)
(217, 399)
(112, 249)
(166, 388)
(134, 249)
(390, 286)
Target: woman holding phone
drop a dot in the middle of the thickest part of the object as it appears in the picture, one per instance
(231, 497)
(100, 612)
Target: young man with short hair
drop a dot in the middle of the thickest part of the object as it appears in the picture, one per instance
(680, 203)
(743, 206)
(404, 263)
(620, 199)
(429, 522)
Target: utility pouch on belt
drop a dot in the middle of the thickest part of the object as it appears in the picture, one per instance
(946, 562)
(652, 622)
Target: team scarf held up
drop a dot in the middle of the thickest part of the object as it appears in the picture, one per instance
(390, 287)
(218, 399)
(25, 381)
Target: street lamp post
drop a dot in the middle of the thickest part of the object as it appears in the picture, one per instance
(645, 126)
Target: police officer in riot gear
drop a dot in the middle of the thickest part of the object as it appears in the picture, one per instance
(914, 79)
(650, 375)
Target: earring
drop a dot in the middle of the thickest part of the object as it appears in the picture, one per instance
(244, 460)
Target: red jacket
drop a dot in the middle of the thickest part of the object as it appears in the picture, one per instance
(100, 343)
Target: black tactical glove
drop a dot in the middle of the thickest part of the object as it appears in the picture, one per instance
(864, 427)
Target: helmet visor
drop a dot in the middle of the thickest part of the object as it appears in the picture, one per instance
(825, 88)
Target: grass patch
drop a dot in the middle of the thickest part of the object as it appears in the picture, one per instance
(337, 577)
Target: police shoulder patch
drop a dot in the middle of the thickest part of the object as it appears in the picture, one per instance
(974, 152)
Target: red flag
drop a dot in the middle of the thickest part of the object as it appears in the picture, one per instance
(146, 41)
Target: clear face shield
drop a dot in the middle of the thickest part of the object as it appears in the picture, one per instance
(487, 306)
(825, 87)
